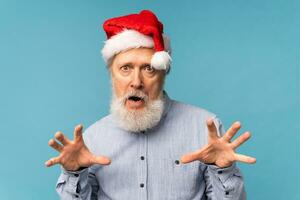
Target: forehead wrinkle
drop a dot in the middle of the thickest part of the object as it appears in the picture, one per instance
(139, 55)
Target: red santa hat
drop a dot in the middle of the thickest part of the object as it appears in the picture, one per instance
(134, 31)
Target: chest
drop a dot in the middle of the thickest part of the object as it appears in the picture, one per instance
(147, 166)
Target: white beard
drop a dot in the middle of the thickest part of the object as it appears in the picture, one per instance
(137, 120)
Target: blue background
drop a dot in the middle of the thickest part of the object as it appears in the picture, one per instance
(239, 59)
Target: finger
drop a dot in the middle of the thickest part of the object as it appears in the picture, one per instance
(240, 140)
(232, 131)
(101, 160)
(55, 145)
(78, 132)
(63, 139)
(212, 130)
(52, 161)
(245, 159)
(190, 157)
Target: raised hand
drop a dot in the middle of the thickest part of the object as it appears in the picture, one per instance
(220, 150)
(73, 154)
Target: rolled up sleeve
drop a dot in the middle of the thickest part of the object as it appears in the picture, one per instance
(225, 183)
(74, 184)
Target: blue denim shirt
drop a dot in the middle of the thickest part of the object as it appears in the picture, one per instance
(146, 165)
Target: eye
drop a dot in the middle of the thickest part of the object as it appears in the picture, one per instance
(125, 68)
(149, 69)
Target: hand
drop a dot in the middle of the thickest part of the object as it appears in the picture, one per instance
(73, 154)
(220, 150)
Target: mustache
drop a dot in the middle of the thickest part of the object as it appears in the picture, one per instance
(134, 93)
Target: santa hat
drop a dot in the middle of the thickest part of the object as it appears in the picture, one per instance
(134, 31)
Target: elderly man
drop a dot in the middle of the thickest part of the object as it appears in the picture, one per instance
(150, 146)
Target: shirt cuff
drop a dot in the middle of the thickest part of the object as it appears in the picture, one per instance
(73, 173)
(75, 179)
(224, 173)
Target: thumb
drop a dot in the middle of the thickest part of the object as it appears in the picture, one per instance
(101, 160)
(193, 156)
(187, 158)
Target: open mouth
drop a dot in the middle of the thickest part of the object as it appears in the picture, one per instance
(135, 98)
(135, 102)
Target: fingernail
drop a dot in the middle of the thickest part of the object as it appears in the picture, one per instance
(209, 121)
(238, 123)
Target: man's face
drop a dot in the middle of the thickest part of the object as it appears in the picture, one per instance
(131, 71)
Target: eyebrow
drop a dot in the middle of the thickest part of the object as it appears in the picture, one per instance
(130, 64)
(127, 63)
(145, 64)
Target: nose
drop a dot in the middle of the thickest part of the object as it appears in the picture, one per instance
(137, 82)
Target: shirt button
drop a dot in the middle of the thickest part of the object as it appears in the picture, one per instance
(142, 158)
(142, 185)
(76, 196)
(220, 172)
(76, 175)
(177, 162)
(227, 192)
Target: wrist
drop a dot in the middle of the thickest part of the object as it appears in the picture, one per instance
(74, 170)
(222, 165)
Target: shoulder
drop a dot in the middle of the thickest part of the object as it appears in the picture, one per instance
(191, 114)
(103, 122)
(184, 109)
(97, 127)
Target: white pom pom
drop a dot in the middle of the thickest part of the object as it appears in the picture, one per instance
(161, 60)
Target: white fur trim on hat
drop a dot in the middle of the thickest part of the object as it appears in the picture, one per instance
(129, 39)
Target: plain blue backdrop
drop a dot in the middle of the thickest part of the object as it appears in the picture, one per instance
(239, 59)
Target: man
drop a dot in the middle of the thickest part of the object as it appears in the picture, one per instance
(154, 147)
